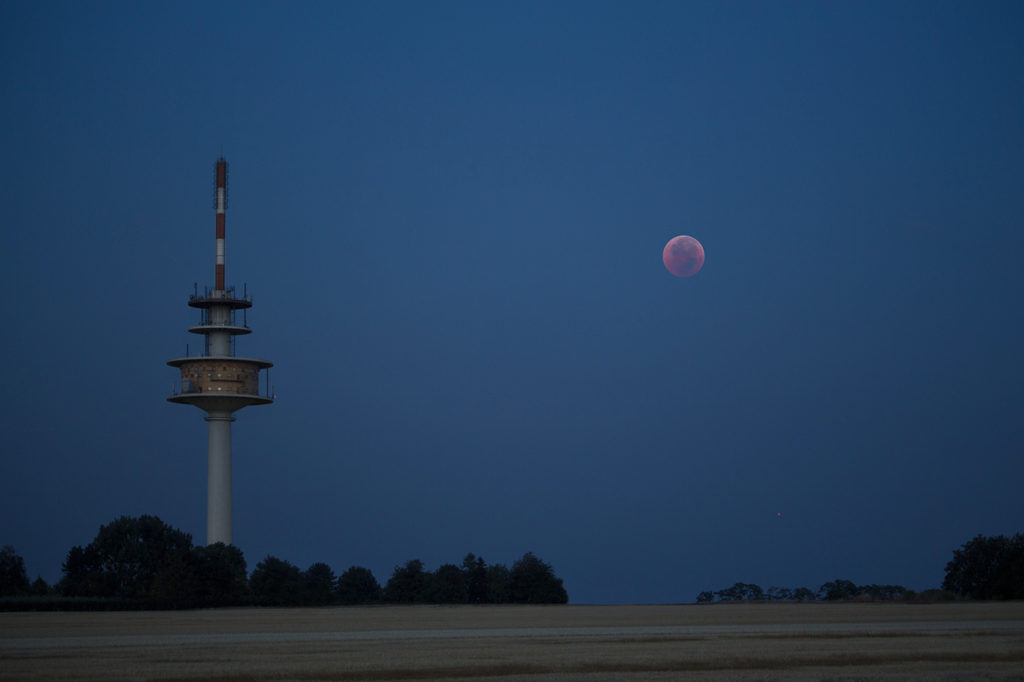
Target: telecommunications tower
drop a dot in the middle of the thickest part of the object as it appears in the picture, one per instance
(218, 382)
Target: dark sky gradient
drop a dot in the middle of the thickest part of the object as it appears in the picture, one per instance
(451, 217)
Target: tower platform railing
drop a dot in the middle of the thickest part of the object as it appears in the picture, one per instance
(227, 294)
(205, 320)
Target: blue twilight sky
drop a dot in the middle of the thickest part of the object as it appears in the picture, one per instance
(451, 216)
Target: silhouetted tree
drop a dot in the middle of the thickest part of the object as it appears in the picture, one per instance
(741, 592)
(837, 589)
(13, 578)
(220, 573)
(449, 585)
(80, 573)
(734, 593)
(705, 597)
(475, 571)
(779, 593)
(358, 586)
(126, 559)
(533, 581)
(276, 582)
(175, 581)
(803, 594)
(987, 568)
(409, 584)
(318, 584)
(881, 592)
(499, 584)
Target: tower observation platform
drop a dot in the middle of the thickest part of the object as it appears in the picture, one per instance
(218, 381)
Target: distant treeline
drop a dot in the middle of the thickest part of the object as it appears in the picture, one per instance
(983, 568)
(831, 591)
(144, 563)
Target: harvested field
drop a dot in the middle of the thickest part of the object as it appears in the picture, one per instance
(957, 641)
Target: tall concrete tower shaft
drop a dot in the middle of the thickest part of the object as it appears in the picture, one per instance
(217, 381)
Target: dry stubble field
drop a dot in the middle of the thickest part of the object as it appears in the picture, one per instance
(959, 641)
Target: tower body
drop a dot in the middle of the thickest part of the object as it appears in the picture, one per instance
(219, 382)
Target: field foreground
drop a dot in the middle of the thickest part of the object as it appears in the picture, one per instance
(763, 641)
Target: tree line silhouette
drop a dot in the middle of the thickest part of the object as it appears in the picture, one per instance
(833, 590)
(144, 563)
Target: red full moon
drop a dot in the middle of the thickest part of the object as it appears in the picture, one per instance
(683, 256)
